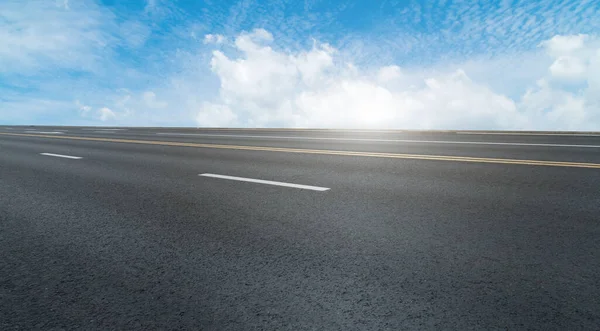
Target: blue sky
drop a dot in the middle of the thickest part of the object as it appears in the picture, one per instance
(442, 64)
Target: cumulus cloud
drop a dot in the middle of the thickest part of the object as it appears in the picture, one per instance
(389, 74)
(473, 67)
(564, 45)
(264, 86)
(572, 56)
(445, 64)
(569, 68)
(105, 114)
(272, 88)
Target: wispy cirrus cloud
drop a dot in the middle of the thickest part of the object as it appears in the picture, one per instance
(419, 64)
(40, 35)
(425, 32)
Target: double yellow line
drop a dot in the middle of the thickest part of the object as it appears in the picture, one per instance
(325, 152)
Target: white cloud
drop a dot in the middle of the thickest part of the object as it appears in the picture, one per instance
(105, 114)
(475, 67)
(389, 73)
(212, 115)
(84, 109)
(572, 55)
(160, 107)
(594, 77)
(39, 35)
(564, 45)
(214, 39)
(568, 68)
(251, 42)
(266, 87)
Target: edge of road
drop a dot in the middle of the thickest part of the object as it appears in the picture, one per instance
(309, 129)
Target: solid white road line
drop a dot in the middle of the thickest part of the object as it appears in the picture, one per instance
(63, 156)
(45, 132)
(529, 134)
(377, 140)
(105, 129)
(267, 182)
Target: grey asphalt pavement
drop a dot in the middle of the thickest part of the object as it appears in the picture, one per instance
(128, 235)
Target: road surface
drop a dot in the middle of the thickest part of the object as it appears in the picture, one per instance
(162, 228)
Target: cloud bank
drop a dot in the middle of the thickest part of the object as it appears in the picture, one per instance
(514, 65)
(264, 87)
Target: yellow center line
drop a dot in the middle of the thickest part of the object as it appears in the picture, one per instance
(324, 151)
(565, 134)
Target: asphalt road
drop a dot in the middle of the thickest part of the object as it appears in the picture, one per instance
(118, 229)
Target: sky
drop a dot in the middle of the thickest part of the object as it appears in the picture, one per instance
(418, 64)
